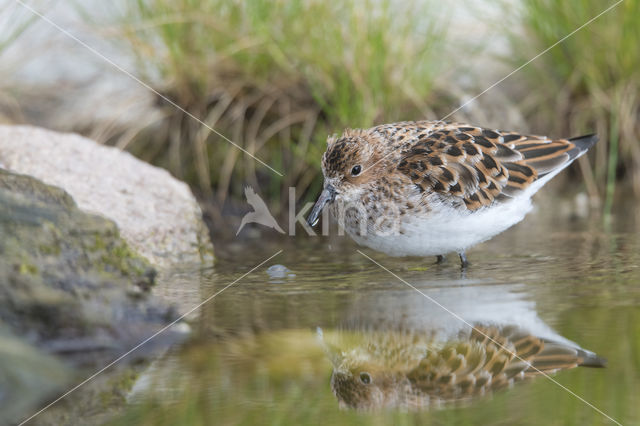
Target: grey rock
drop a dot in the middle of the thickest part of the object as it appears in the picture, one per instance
(278, 271)
(73, 297)
(155, 213)
(68, 282)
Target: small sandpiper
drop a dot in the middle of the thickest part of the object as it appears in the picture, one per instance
(409, 370)
(422, 188)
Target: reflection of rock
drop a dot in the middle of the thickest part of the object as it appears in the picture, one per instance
(155, 213)
(400, 349)
(27, 378)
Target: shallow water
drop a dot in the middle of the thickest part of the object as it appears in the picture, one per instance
(263, 349)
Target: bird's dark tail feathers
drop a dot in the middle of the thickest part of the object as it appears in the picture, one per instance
(582, 143)
(590, 359)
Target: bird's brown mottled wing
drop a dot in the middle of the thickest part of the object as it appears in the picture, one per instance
(530, 355)
(482, 166)
(493, 358)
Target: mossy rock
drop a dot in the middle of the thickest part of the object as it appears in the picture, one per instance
(67, 280)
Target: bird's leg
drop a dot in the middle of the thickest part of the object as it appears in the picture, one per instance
(440, 259)
(463, 260)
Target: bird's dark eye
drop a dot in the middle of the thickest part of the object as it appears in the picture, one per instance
(365, 378)
(356, 170)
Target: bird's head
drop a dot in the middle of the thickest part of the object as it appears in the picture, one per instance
(350, 165)
(370, 368)
(365, 386)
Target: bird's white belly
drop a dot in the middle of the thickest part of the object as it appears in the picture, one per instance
(444, 231)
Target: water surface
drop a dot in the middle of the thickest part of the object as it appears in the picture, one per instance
(264, 350)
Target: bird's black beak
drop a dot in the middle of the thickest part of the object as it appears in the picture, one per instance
(327, 196)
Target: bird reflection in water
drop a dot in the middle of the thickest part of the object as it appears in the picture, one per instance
(392, 366)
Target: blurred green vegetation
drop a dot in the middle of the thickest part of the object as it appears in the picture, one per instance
(14, 21)
(14, 26)
(588, 83)
(276, 77)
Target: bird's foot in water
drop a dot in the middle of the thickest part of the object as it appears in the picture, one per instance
(464, 263)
